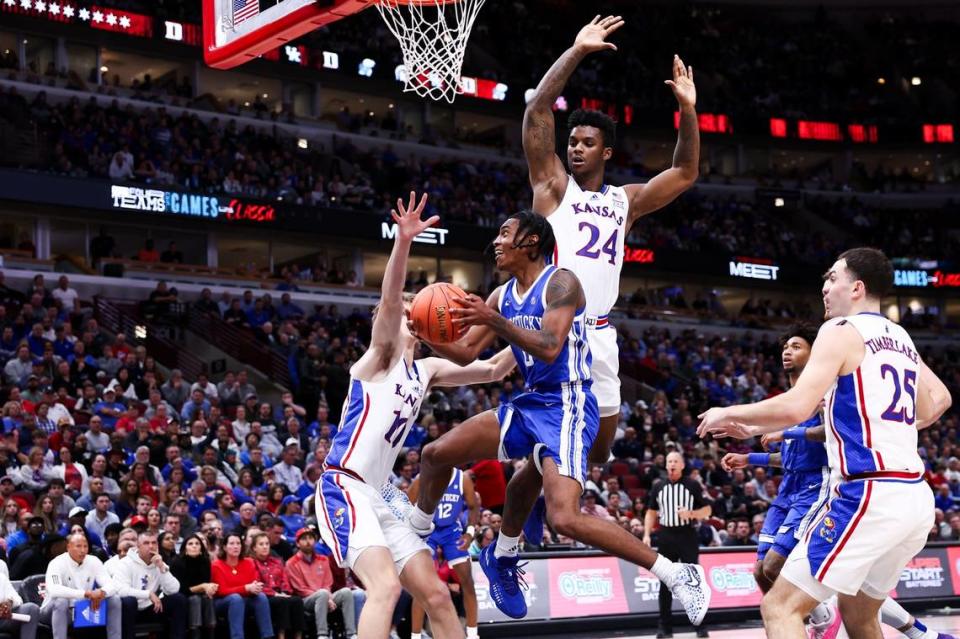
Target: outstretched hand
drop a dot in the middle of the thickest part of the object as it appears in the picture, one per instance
(409, 224)
(593, 36)
(716, 422)
(682, 83)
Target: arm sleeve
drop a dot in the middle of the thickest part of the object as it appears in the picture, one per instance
(168, 583)
(121, 583)
(55, 587)
(297, 583)
(697, 492)
(652, 497)
(225, 588)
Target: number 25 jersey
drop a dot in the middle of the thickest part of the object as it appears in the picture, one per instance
(871, 413)
(590, 227)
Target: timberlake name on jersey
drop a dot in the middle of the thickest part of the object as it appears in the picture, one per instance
(883, 343)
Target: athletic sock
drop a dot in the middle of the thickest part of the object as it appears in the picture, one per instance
(821, 615)
(506, 546)
(663, 568)
(419, 519)
(414, 635)
(471, 633)
(919, 631)
(893, 614)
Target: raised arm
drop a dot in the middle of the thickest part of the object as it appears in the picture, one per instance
(547, 173)
(835, 344)
(386, 325)
(933, 398)
(481, 371)
(564, 296)
(664, 187)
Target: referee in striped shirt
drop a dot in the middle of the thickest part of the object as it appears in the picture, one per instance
(679, 503)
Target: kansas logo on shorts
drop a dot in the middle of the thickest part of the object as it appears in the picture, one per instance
(338, 517)
(828, 530)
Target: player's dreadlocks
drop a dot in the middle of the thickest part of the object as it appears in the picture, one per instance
(529, 224)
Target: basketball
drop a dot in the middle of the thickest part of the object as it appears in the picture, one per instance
(430, 313)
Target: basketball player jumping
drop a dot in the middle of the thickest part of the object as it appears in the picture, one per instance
(541, 312)
(592, 220)
(877, 393)
(386, 389)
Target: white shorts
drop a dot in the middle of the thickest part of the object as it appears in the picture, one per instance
(352, 517)
(605, 368)
(862, 538)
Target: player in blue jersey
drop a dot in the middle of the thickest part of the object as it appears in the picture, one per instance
(806, 477)
(459, 502)
(540, 312)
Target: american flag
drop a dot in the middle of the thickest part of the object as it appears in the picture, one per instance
(244, 9)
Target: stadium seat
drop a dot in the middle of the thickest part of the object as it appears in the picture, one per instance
(619, 468)
(629, 481)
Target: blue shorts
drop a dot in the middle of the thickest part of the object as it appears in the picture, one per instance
(560, 424)
(788, 516)
(448, 539)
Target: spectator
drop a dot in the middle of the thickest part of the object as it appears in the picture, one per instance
(74, 576)
(149, 254)
(286, 608)
(141, 577)
(740, 535)
(239, 590)
(192, 569)
(172, 255)
(64, 294)
(311, 579)
(102, 516)
(591, 508)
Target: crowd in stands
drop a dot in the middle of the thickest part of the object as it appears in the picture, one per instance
(735, 50)
(153, 147)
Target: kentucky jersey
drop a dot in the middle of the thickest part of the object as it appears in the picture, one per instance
(526, 311)
(375, 421)
(450, 507)
(803, 455)
(590, 227)
(871, 413)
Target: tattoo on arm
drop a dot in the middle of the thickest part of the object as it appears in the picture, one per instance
(564, 290)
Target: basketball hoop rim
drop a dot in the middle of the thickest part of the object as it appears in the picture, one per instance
(422, 3)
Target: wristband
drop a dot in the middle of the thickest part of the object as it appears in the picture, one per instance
(796, 432)
(470, 531)
(759, 459)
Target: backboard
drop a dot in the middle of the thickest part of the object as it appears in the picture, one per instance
(237, 31)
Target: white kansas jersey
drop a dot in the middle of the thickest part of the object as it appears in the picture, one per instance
(376, 419)
(591, 227)
(871, 413)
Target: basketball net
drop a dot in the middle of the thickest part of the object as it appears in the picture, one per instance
(433, 35)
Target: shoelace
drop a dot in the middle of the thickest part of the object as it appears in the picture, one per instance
(511, 577)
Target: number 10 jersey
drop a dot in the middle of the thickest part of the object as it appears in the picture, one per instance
(591, 227)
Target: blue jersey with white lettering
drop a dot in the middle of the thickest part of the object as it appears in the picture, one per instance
(526, 311)
(803, 455)
(451, 503)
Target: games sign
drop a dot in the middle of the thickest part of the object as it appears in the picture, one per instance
(148, 200)
(920, 278)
